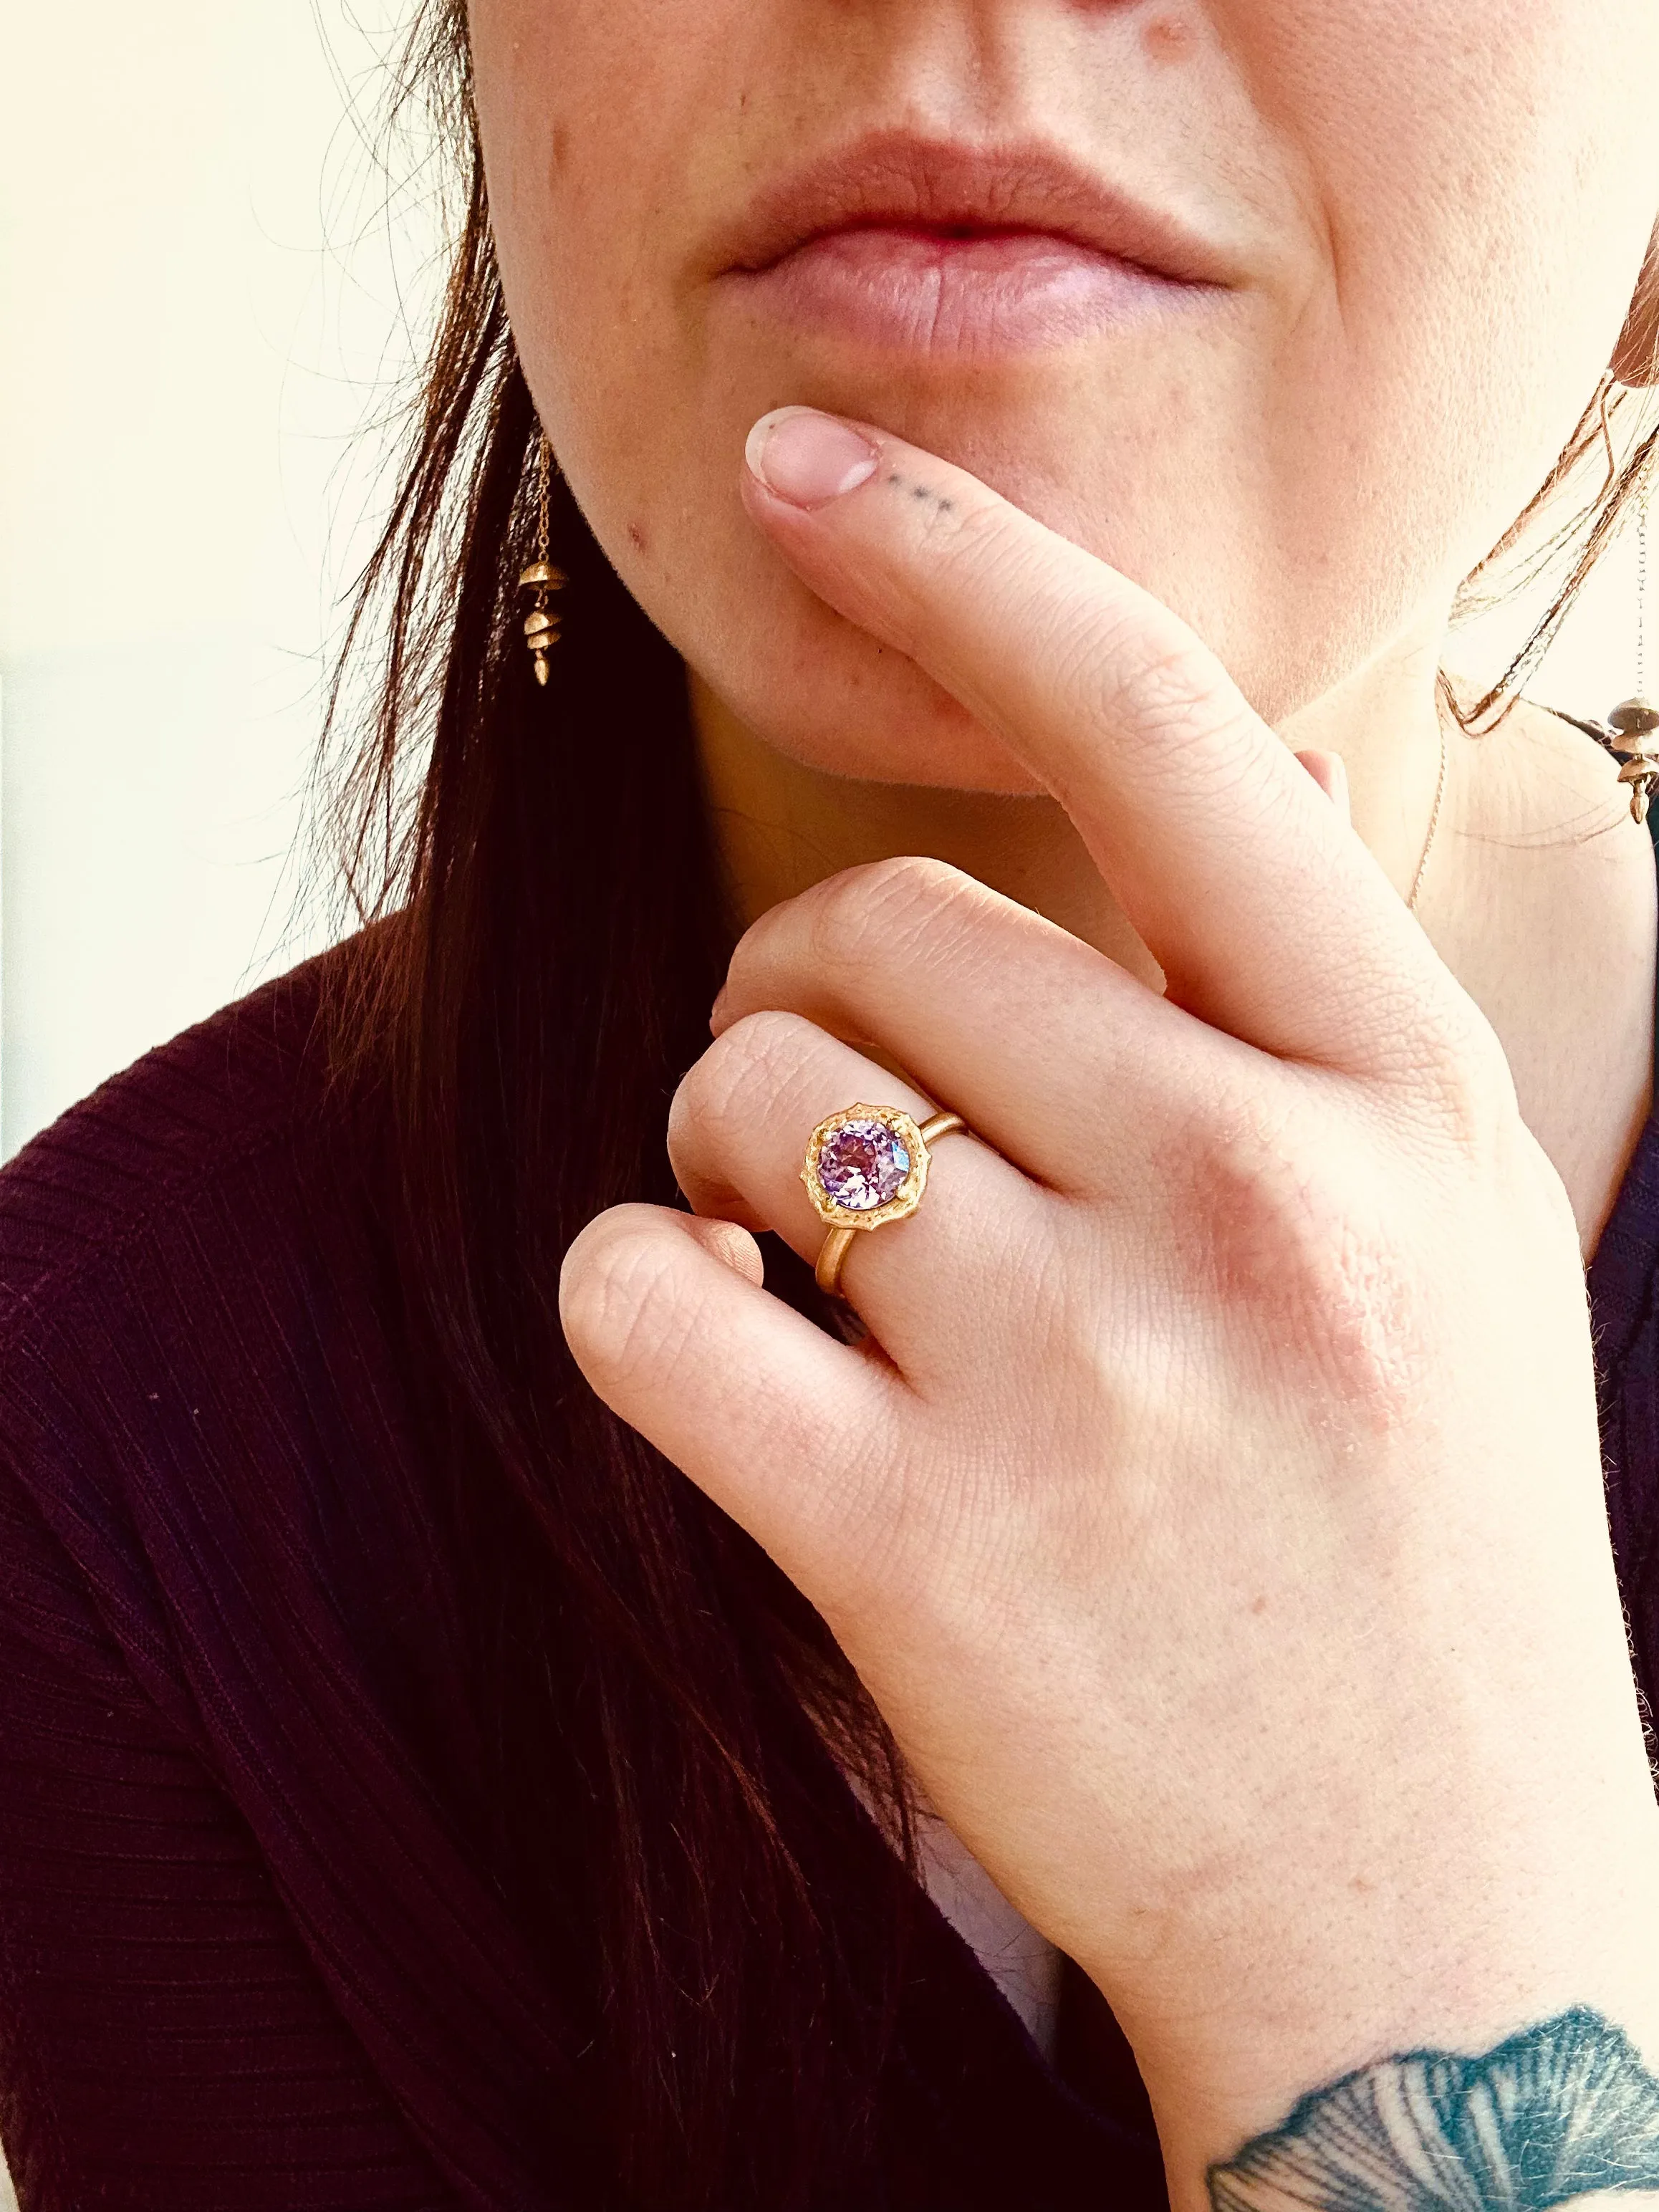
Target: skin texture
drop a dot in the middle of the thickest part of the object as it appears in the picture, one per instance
(1241, 1376)
(1413, 316)
(1261, 1390)
(1416, 308)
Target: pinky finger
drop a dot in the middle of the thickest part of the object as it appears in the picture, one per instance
(782, 1425)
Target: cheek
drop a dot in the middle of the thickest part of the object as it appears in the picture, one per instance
(587, 118)
(1487, 175)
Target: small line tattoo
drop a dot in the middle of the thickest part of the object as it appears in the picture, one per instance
(1560, 2111)
(940, 500)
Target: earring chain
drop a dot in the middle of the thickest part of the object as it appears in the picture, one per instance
(544, 477)
(1642, 497)
(1632, 726)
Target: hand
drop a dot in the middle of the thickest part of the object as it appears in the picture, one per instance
(1219, 1524)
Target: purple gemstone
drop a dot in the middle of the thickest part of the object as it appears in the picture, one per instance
(863, 1165)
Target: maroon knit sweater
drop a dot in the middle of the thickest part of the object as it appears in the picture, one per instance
(245, 1959)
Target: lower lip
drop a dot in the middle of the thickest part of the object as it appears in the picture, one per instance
(926, 292)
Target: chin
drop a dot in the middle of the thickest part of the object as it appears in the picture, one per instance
(836, 701)
(824, 693)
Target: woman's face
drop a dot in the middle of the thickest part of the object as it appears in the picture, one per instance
(1283, 307)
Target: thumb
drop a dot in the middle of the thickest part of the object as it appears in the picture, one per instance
(783, 1427)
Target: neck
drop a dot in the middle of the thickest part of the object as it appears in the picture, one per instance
(780, 827)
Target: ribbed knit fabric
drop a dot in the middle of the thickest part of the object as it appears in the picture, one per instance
(246, 1962)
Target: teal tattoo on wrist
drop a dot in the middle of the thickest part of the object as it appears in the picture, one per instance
(1558, 2112)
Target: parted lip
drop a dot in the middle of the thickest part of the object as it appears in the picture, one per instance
(897, 180)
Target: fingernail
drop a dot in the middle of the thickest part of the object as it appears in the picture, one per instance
(809, 459)
(1339, 797)
(1330, 772)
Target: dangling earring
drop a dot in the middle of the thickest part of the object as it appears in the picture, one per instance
(1636, 719)
(541, 625)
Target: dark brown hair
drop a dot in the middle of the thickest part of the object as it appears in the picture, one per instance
(543, 937)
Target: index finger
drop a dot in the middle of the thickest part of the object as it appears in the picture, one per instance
(1267, 914)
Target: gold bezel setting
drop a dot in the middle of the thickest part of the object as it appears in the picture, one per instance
(904, 1200)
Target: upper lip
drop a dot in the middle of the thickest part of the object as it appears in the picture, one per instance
(894, 177)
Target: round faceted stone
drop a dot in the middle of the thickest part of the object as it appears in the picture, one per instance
(862, 1165)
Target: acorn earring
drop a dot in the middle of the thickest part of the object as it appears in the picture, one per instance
(1635, 720)
(541, 625)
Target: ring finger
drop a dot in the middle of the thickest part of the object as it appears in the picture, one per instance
(1054, 1053)
(737, 1135)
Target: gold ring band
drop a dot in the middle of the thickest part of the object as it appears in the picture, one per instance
(866, 1166)
(941, 1124)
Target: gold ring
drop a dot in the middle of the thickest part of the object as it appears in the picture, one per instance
(866, 1166)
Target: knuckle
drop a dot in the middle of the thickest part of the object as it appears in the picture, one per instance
(987, 542)
(1171, 680)
(616, 1299)
(1303, 1251)
(881, 911)
(740, 1075)
(1149, 679)
(1458, 1075)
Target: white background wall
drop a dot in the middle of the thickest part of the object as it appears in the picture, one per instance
(195, 305)
(197, 308)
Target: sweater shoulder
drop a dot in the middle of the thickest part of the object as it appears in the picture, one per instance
(201, 1375)
(147, 1146)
